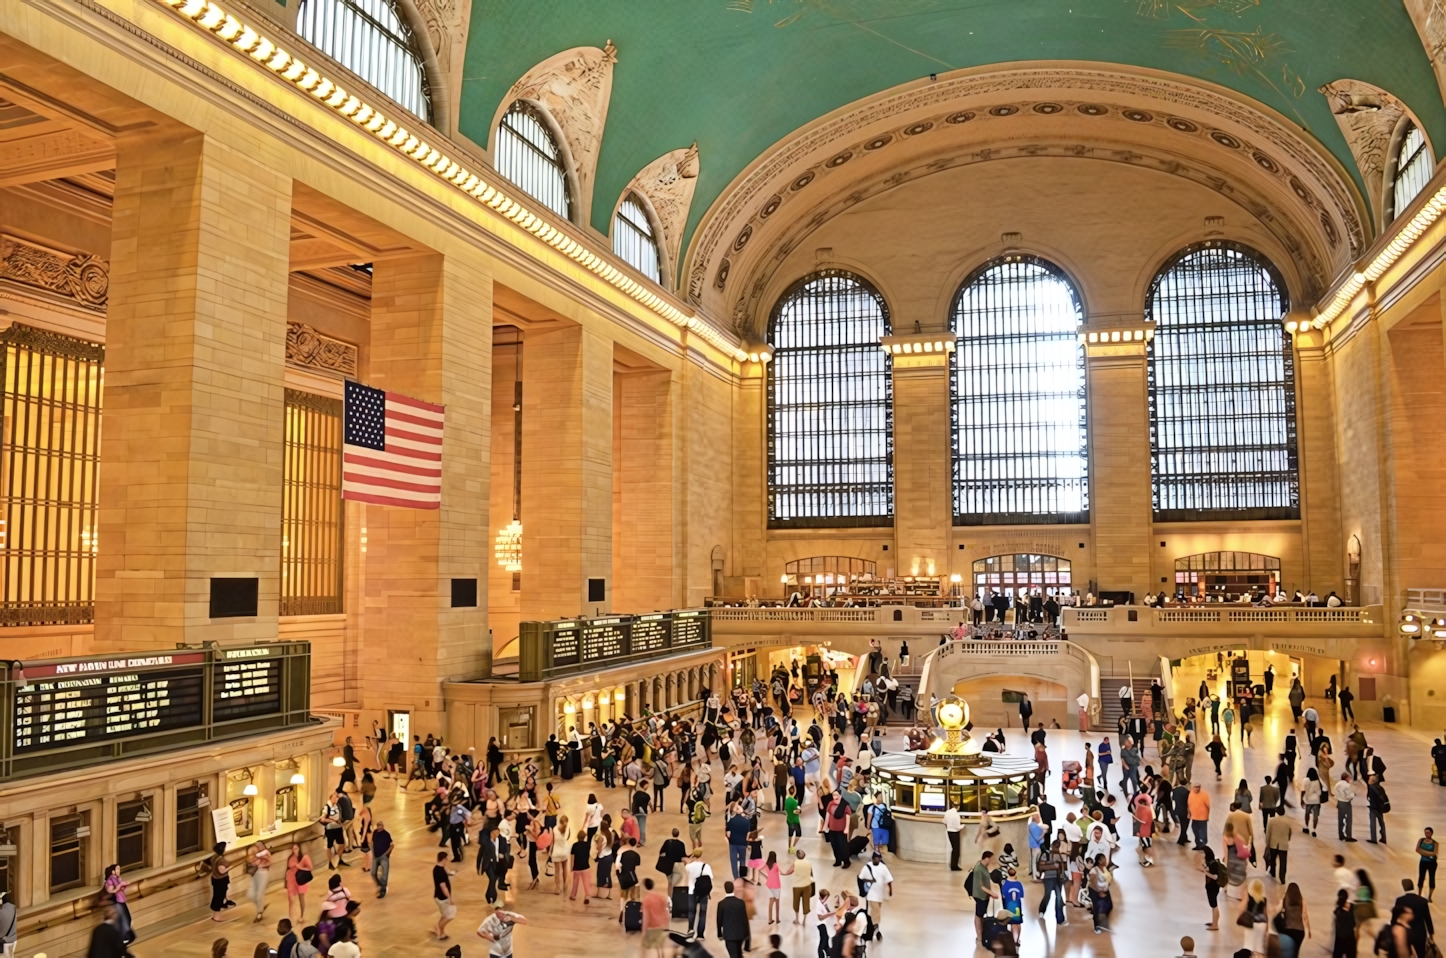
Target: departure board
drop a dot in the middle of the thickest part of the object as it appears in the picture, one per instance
(86, 702)
(248, 683)
(650, 633)
(604, 639)
(689, 629)
(565, 644)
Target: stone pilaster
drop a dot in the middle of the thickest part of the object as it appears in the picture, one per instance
(431, 339)
(1323, 551)
(644, 527)
(1121, 518)
(567, 472)
(923, 500)
(192, 428)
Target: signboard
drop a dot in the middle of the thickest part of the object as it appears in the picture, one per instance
(224, 823)
(102, 700)
(247, 683)
(575, 645)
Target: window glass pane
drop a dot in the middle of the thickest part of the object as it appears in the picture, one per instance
(1019, 397)
(188, 820)
(312, 523)
(830, 406)
(9, 865)
(1222, 389)
(370, 39)
(634, 241)
(68, 839)
(527, 155)
(1413, 169)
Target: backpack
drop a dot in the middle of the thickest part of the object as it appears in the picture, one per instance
(969, 882)
(700, 813)
(1385, 801)
(1385, 940)
(704, 884)
(1222, 873)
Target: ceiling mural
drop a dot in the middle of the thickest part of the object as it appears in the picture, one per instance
(738, 76)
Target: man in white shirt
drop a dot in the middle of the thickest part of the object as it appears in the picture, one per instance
(953, 825)
(1344, 793)
(497, 930)
(1127, 698)
(698, 897)
(1072, 831)
(879, 884)
(1345, 878)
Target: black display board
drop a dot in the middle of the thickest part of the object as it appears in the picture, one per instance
(96, 701)
(247, 683)
(576, 645)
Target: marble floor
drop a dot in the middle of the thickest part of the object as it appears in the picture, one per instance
(930, 914)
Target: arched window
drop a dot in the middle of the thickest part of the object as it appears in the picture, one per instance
(528, 155)
(634, 239)
(1413, 169)
(1222, 388)
(830, 406)
(1018, 389)
(369, 38)
(1227, 575)
(1022, 574)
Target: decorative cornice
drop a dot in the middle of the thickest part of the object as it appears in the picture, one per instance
(79, 277)
(306, 347)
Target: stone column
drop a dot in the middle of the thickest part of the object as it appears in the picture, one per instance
(192, 427)
(645, 572)
(1121, 514)
(1323, 551)
(431, 339)
(567, 472)
(923, 500)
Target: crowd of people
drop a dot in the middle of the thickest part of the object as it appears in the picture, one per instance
(775, 749)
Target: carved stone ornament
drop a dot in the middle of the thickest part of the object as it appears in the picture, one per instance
(1429, 17)
(80, 277)
(668, 183)
(1368, 116)
(574, 86)
(446, 23)
(306, 347)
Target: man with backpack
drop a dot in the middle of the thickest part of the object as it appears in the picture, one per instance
(876, 884)
(1378, 803)
(700, 887)
(1052, 868)
(980, 885)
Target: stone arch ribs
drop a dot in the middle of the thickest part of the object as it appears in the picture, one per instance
(573, 87)
(1286, 182)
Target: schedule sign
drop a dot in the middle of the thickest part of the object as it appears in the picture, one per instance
(93, 701)
(248, 683)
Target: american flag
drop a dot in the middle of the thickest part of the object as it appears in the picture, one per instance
(391, 449)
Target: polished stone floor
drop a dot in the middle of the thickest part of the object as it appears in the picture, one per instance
(929, 914)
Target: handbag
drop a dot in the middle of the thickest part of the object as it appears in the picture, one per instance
(303, 877)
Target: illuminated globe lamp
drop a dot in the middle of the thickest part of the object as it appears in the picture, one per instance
(955, 747)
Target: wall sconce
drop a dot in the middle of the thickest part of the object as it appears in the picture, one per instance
(338, 762)
(568, 708)
(297, 778)
(604, 699)
(250, 790)
(956, 578)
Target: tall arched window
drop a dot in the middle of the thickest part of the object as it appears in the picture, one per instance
(635, 240)
(1222, 388)
(1018, 388)
(1412, 169)
(369, 38)
(528, 155)
(830, 406)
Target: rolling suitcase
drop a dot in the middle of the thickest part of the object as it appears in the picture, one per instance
(633, 916)
(857, 844)
(680, 902)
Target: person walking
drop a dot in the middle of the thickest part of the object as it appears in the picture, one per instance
(1344, 793)
(953, 825)
(1106, 758)
(381, 857)
(877, 884)
(1343, 920)
(802, 871)
(1199, 805)
(732, 921)
(1345, 697)
(1277, 846)
(442, 896)
(1101, 903)
(1217, 876)
(1421, 929)
(1052, 865)
(259, 865)
(1216, 750)
(657, 915)
(496, 930)
(824, 916)
(700, 887)
(1312, 793)
(220, 874)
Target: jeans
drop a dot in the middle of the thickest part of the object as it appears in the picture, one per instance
(1344, 819)
(381, 871)
(823, 949)
(1201, 836)
(698, 914)
(1375, 816)
(1276, 861)
(1051, 887)
(642, 828)
(1131, 780)
(1428, 867)
(1105, 776)
(738, 859)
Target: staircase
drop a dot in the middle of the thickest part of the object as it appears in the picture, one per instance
(1110, 710)
(911, 680)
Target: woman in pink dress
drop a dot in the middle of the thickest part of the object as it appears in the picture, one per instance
(298, 867)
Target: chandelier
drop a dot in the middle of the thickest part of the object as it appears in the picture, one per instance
(509, 546)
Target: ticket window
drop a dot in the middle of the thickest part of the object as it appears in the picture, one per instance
(10, 863)
(133, 834)
(516, 726)
(191, 805)
(69, 851)
(288, 804)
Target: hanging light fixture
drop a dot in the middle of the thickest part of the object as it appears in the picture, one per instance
(508, 547)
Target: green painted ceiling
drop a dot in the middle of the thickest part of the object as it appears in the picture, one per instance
(738, 75)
